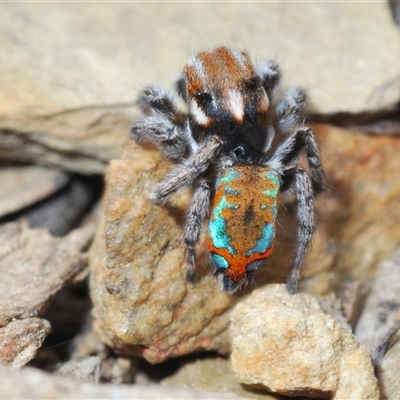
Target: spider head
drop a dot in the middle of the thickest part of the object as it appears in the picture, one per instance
(226, 97)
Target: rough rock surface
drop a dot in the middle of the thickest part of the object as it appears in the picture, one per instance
(296, 349)
(214, 374)
(388, 373)
(143, 304)
(33, 267)
(83, 370)
(381, 313)
(80, 120)
(20, 340)
(382, 308)
(32, 384)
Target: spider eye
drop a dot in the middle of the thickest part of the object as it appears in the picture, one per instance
(254, 83)
(203, 97)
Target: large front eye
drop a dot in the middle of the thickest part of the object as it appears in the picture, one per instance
(254, 83)
(203, 98)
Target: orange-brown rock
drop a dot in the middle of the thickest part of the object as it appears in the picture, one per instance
(143, 304)
(286, 344)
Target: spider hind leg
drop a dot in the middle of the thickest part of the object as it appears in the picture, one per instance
(286, 162)
(306, 225)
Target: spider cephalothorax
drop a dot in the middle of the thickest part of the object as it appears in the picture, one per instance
(225, 140)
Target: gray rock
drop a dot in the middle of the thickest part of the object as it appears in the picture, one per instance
(382, 307)
(70, 85)
(22, 186)
(34, 266)
(84, 370)
(32, 384)
(388, 376)
(214, 375)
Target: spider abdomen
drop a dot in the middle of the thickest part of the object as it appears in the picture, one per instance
(242, 222)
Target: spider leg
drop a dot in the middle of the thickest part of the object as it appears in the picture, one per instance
(306, 225)
(154, 99)
(270, 75)
(198, 210)
(186, 173)
(287, 154)
(289, 110)
(169, 138)
(163, 124)
(180, 86)
(285, 161)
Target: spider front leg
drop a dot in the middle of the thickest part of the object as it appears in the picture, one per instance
(306, 225)
(270, 75)
(164, 125)
(198, 210)
(187, 172)
(289, 110)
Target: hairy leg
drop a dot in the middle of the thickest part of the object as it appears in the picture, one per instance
(306, 225)
(186, 173)
(270, 75)
(198, 210)
(289, 110)
(287, 154)
(164, 125)
(169, 138)
(154, 99)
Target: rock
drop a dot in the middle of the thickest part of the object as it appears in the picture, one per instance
(119, 370)
(80, 120)
(353, 296)
(22, 186)
(84, 370)
(143, 304)
(65, 210)
(31, 383)
(34, 266)
(388, 375)
(287, 344)
(382, 307)
(213, 375)
(20, 340)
